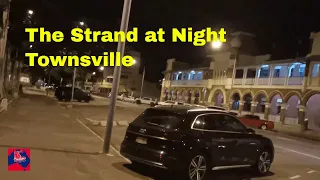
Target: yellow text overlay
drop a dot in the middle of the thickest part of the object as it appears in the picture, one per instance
(108, 59)
(198, 38)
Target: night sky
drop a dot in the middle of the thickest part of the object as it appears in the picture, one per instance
(282, 27)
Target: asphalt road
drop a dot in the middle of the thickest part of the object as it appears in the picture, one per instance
(294, 158)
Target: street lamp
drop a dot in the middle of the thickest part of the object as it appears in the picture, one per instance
(30, 12)
(94, 73)
(216, 44)
(116, 77)
(81, 23)
(30, 46)
(101, 68)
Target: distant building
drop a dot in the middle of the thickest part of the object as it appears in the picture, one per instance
(278, 90)
(130, 80)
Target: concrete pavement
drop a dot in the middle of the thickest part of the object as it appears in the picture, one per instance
(295, 158)
(64, 148)
(61, 147)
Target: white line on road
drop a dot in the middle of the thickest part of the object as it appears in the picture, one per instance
(102, 140)
(297, 152)
(287, 139)
(295, 177)
(312, 171)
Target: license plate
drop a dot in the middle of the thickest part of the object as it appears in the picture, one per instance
(141, 140)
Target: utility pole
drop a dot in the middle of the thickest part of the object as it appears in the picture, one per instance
(116, 77)
(141, 90)
(73, 82)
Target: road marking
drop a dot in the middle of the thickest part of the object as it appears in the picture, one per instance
(287, 139)
(295, 177)
(310, 172)
(85, 126)
(297, 152)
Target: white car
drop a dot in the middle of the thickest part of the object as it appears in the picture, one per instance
(168, 103)
(129, 99)
(145, 100)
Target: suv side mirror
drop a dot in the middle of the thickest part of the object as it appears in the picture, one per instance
(250, 131)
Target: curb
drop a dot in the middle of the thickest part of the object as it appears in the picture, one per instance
(2, 110)
(104, 123)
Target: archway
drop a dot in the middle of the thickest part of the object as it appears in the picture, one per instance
(197, 97)
(292, 110)
(247, 98)
(166, 94)
(236, 99)
(218, 99)
(171, 95)
(261, 100)
(189, 95)
(313, 112)
(181, 95)
(275, 104)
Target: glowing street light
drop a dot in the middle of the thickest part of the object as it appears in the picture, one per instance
(94, 73)
(30, 46)
(30, 12)
(81, 23)
(216, 44)
(134, 61)
(101, 68)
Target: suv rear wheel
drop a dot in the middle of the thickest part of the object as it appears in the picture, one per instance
(264, 163)
(197, 168)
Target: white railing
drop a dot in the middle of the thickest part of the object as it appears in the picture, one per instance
(219, 81)
(189, 83)
(237, 81)
(262, 81)
(314, 81)
(295, 81)
(289, 120)
(250, 81)
(274, 118)
(278, 81)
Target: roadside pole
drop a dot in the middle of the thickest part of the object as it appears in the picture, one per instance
(116, 77)
(141, 90)
(73, 82)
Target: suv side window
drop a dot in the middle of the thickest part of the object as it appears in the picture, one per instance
(206, 122)
(229, 123)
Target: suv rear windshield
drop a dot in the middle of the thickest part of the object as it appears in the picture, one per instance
(159, 118)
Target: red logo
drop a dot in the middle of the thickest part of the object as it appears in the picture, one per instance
(18, 159)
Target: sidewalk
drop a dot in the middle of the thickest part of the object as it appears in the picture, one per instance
(61, 147)
(293, 131)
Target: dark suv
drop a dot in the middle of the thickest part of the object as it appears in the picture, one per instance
(65, 93)
(195, 141)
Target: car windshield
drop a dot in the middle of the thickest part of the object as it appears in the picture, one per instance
(159, 118)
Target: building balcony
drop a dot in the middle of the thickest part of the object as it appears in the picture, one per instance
(279, 81)
(186, 83)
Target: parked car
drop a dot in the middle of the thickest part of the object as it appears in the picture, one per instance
(216, 107)
(129, 99)
(168, 103)
(65, 93)
(255, 121)
(146, 100)
(120, 97)
(195, 140)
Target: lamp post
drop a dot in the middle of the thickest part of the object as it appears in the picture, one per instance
(142, 81)
(235, 44)
(116, 77)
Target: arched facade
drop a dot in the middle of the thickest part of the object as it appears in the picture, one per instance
(260, 92)
(272, 94)
(214, 92)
